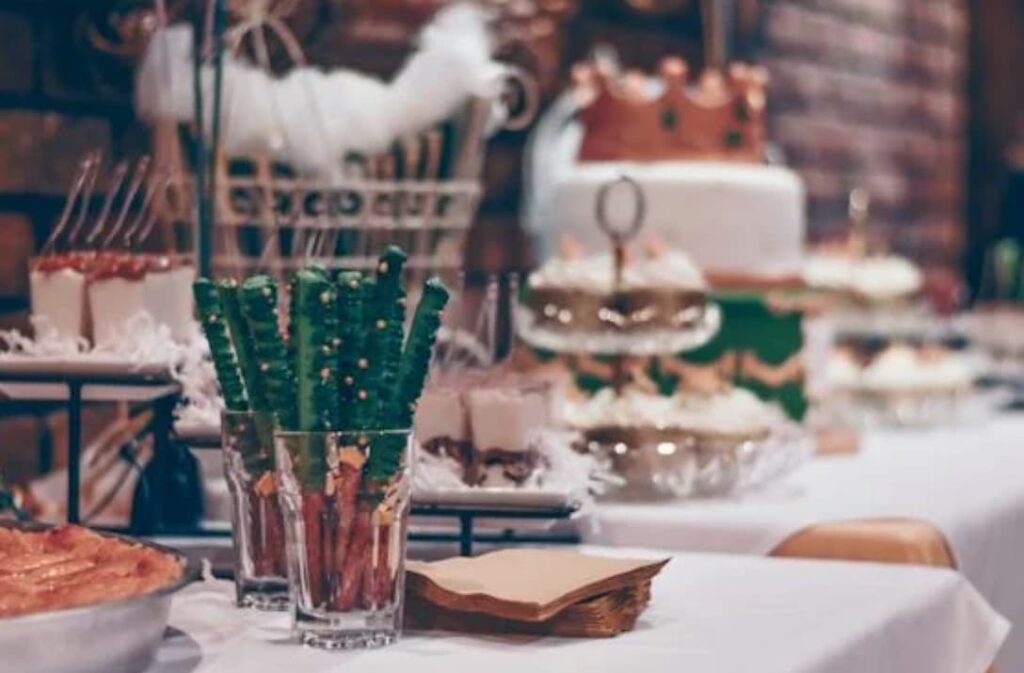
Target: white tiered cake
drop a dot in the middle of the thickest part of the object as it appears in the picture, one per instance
(705, 187)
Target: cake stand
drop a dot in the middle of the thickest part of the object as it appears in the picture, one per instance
(624, 323)
(652, 463)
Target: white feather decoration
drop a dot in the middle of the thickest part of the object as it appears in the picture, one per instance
(311, 118)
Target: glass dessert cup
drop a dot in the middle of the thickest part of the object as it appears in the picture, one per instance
(346, 534)
(654, 464)
(257, 524)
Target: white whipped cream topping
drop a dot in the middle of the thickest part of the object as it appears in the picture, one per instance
(901, 368)
(736, 411)
(878, 277)
(493, 410)
(670, 269)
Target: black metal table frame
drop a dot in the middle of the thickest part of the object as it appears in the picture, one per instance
(468, 514)
(163, 413)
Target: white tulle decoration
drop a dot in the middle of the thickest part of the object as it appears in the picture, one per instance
(311, 118)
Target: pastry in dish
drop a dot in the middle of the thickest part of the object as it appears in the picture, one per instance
(69, 566)
(487, 423)
(901, 369)
(874, 279)
(660, 288)
(638, 417)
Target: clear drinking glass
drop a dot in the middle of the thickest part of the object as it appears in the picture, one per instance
(345, 522)
(257, 525)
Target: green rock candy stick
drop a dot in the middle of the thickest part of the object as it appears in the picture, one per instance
(385, 457)
(241, 339)
(349, 286)
(363, 403)
(384, 349)
(211, 316)
(259, 305)
(314, 340)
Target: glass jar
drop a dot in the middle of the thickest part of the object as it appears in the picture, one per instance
(257, 524)
(346, 517)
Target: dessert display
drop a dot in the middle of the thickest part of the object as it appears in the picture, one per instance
(661, 288)
(489, 424)
(696, 149)
(901, 384)
(695, 145)
(689, 443)
(342, 385)
(69, 566)
(902, 369)
(618, 301)
(873, 279)
(95, 297)
(92, 279)
(852, 272)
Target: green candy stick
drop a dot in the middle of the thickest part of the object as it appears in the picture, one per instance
(259, 305)
(314, 333)
(363, 403)
(225, 362)
(385, 346)
(385, 458)
(349, 285)
(241, 339)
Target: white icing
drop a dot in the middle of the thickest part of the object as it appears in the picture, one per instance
(168, 298)
(879, 277)
(112, 303)
(729, 217)
(903, 369)
(505, 418)
(441, 413)
(595, 273)
(491, 410)
(58, 300)
(842, 371)
(736, 411)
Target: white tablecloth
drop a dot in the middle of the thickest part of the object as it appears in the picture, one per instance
(710, 614)
(968, 481)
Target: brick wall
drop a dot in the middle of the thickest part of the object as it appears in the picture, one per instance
(872, 93)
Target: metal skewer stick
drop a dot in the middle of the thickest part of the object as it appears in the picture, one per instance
(120, 171)
(87, 191)
(146, 219)
(138, 177)
(85, 167)
(619, 237)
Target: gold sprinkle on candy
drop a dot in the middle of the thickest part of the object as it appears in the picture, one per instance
(325, 373)
(326, 297)
(267, 292)
(336, 341)
(349, 380)
(326, 349)
(361, 394)
(383, 267)
(363, 363)
(381, 324)
(354, 284)
(213, 318)
(264, 366)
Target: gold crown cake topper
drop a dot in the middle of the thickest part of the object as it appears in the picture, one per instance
(720, 116)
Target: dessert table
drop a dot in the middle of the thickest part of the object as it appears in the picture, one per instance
(948, 497)
(727, 614)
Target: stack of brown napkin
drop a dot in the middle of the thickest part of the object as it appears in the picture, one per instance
(530, 591)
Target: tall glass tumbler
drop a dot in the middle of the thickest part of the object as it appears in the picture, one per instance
(346, 521)
(258, 534)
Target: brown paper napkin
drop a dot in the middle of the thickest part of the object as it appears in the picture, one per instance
(533, 591)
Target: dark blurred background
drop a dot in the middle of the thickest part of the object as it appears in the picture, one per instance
(920, 101)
